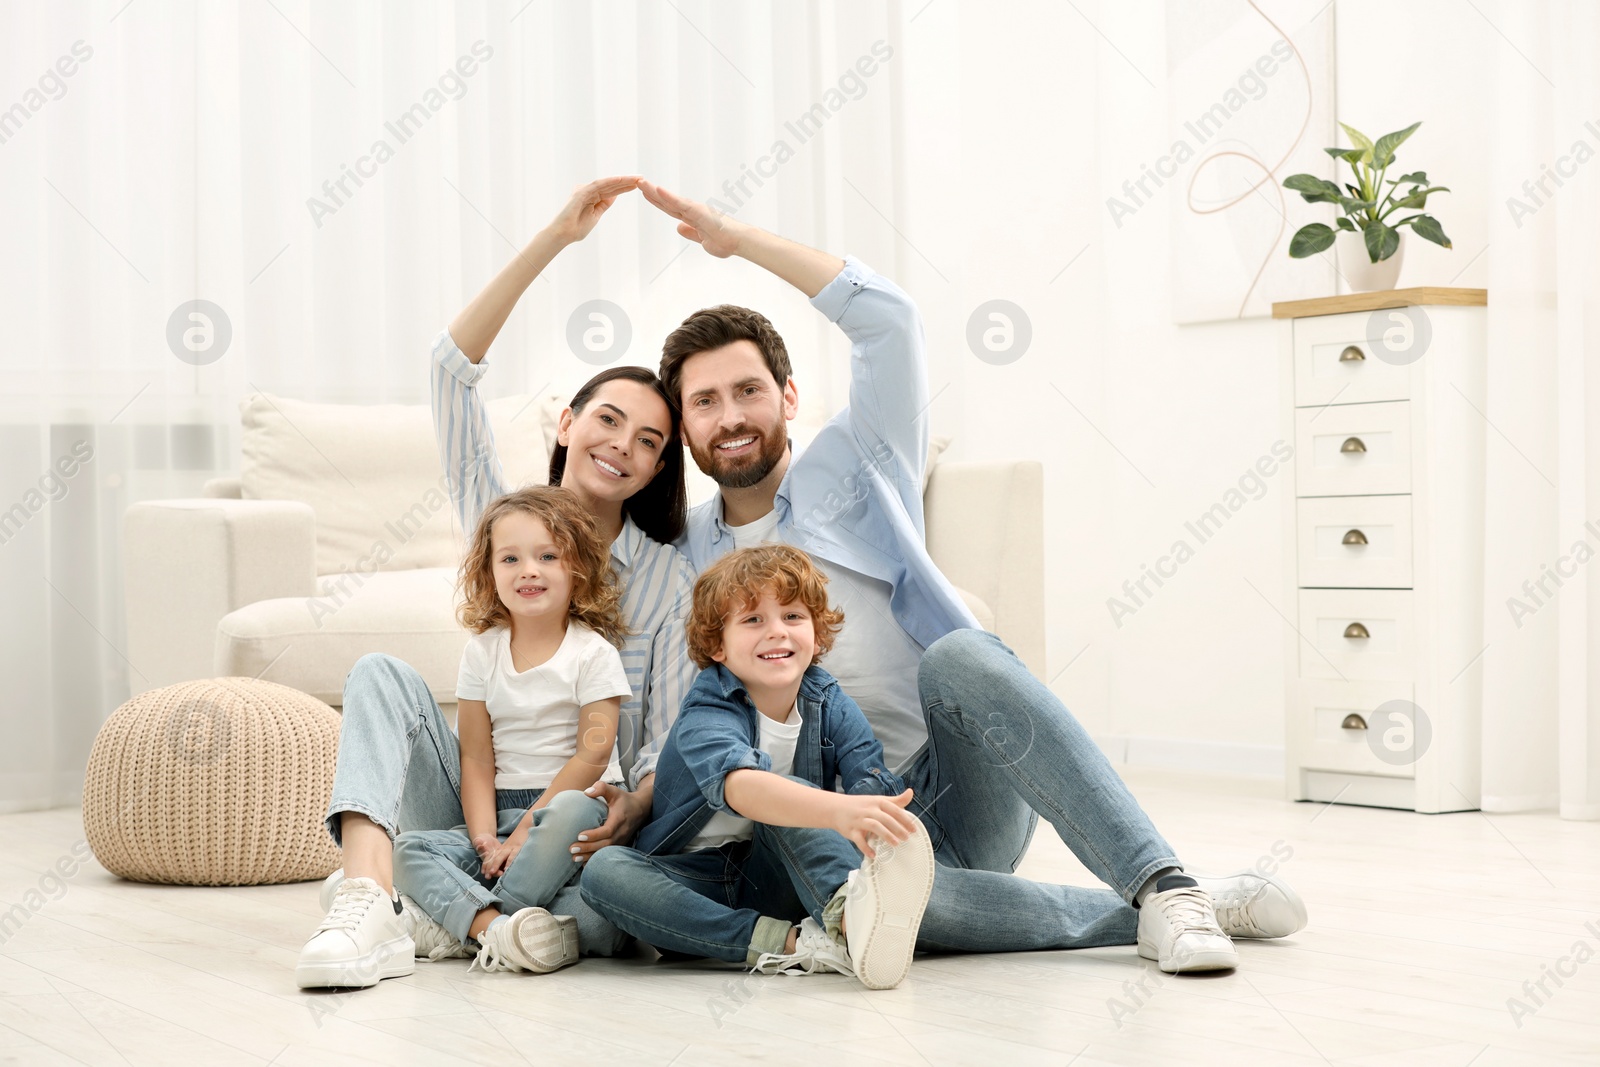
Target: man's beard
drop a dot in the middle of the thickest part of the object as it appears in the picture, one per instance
(745, 471)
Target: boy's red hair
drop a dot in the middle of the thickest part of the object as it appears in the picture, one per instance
(736, 581)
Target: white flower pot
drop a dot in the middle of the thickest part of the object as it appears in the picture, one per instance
(1359, 272)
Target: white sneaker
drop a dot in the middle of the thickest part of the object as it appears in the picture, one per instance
(1254, 905)
(360, 942)
(330, 886)
(431, 941)
(1178, 929)
(531, 940)
(883, 905)
(814, 953)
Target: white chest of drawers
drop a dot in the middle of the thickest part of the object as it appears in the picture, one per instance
(1382, 395)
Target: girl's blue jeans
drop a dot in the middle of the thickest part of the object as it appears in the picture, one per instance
(441, 871)
(400, 766)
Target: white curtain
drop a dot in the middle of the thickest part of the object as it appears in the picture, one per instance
(159, 152)
(1541, 665)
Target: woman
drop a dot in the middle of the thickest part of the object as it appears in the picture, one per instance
(618, 450)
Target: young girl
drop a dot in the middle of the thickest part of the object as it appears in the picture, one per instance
(539, 694)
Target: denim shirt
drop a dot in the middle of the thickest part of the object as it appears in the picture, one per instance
(853, 497)
(717, 732)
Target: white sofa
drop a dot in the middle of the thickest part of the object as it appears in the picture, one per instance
(337, 540)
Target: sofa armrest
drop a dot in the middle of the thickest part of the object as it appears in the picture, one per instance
(985, 524)
(187, 563)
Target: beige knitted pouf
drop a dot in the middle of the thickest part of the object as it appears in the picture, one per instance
(223, 781)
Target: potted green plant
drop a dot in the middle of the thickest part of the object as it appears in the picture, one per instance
(1370, 249)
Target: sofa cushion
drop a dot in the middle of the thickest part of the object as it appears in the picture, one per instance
(310, 643)
(980, 610)
(371, 473)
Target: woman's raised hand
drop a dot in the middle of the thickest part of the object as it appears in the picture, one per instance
(588, 202)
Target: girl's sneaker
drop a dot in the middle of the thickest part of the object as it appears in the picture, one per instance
(431, 940)
(360, 942)
(531, 940)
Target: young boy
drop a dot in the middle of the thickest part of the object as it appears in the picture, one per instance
(743, 837)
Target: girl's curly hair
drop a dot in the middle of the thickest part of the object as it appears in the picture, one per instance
(596, 599)
(737, 580)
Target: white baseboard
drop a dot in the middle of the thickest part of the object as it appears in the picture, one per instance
(1201, 757)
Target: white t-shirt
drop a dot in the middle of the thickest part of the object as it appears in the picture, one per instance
(873, 658)
(778, 740)
(533, 715)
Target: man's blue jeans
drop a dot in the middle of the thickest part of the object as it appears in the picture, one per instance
(1002, 750)
(730, 903)
(400, 766)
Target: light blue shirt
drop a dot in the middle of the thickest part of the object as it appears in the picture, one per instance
(853, 497)
(657, 584)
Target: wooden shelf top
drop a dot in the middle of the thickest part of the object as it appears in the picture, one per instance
(1383, 298)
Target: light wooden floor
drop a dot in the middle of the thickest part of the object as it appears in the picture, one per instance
(1421, 929)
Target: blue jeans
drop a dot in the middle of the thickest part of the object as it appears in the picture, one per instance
(1002, 750)
(400, 766)
(730, 903)
(442, 872)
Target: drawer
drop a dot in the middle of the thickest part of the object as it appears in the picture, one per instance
(1357, 634)
(1336, 363)
(1353, 450)
(1355, 542)
(1319, 740)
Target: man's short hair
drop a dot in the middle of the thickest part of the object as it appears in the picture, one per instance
(736, 581)
(714, 327)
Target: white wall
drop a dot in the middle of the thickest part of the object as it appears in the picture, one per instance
(1051, 122)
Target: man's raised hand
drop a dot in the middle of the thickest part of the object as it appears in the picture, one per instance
(717, 233)
(587, 203)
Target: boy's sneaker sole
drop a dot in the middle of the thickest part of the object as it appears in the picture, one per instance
(393, 959)
(898, 883)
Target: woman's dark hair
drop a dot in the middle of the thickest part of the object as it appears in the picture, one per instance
(659, 509)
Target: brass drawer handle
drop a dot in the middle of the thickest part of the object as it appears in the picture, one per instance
(1353, 721)
(1355, 630)
(1354, 537)
(1351, 354)
(1353, 444)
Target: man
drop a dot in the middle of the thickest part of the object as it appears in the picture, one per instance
(985, 746)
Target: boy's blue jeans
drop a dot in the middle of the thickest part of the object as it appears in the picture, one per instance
(400, 766)
(730, 903)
